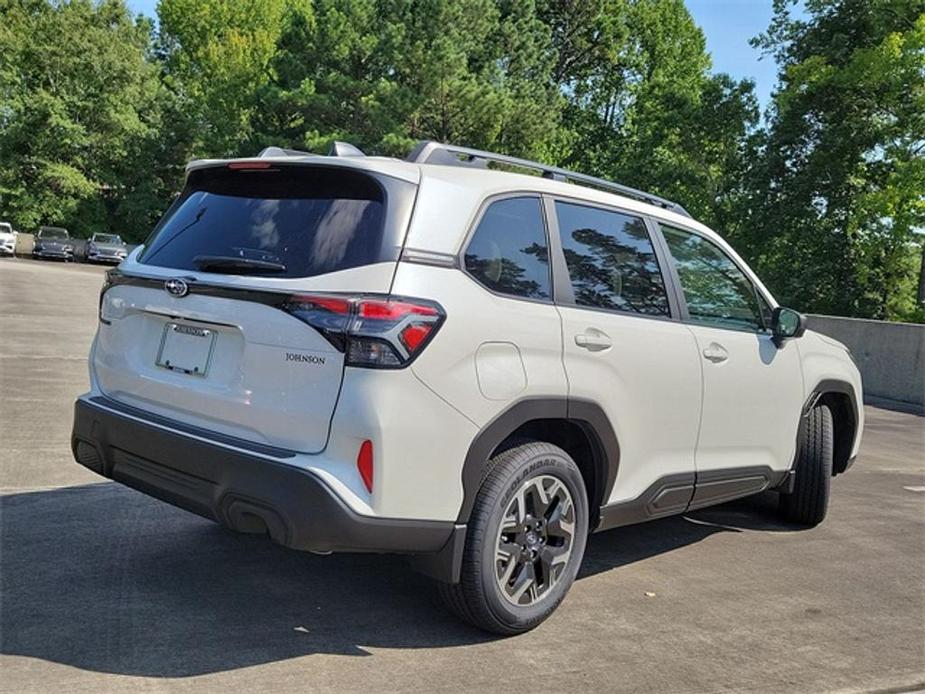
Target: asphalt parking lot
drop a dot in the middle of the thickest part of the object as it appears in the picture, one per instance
(103, 589)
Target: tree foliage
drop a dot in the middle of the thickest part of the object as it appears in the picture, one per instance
(642, 105)
(78, 100)
(99, 112)
(385, 74)
(840, 188)
(216, 56)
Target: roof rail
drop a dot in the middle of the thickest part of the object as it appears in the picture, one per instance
(430, 152)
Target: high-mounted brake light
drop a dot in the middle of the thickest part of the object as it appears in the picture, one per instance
(249, 165)
(373, 332)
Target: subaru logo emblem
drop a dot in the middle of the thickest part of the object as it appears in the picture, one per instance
(176, 287)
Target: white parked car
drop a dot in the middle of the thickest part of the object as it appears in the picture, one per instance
(7, 239)
(470, 366)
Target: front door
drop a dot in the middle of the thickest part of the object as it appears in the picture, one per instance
(752, 388)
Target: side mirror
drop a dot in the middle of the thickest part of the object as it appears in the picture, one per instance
(786, 323)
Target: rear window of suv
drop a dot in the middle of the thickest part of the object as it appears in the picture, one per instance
(279, 221)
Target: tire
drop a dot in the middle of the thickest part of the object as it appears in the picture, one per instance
(809, 501)
(502, 557)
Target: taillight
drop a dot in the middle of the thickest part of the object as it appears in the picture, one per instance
(373, 332)
(107, 284)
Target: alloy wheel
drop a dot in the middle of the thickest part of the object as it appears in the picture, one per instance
(535, 540)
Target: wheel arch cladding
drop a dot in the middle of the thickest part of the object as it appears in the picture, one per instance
(841, 400)
(581, 428)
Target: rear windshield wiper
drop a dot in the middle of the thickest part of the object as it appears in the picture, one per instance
(236, 265)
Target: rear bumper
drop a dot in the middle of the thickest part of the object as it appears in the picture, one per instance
(247, 492)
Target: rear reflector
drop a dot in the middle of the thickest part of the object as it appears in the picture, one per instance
(378, 333)
(365, 464)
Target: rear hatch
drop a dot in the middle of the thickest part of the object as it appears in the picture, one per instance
(199, 327)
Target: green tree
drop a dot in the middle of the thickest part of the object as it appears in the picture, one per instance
(840, 188)
(98, 113)
(77, 98)
(480, 73)
(384, 74)
(642, 106)
(216, 56)
(332, 78)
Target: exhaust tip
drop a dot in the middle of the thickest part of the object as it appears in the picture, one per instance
(253, 519)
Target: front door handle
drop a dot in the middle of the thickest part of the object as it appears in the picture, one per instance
(715, 352)
(593, 339)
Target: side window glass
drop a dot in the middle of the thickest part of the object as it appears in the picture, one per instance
(717, 292)
(508, 252)
(611, 260)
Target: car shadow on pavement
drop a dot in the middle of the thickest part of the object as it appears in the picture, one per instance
(103, 578)
(633, 543)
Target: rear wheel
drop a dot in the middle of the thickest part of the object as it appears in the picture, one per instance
(809, 501)
(525, 540)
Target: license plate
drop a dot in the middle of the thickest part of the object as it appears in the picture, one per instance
(186, 348)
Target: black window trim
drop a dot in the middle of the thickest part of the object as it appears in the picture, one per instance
(657, 224)
(564, 293)
(473, 228)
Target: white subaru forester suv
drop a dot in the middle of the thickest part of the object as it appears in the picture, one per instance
(448, 358)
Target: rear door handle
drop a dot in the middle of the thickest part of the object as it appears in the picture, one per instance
(593, 339)
(715, 352)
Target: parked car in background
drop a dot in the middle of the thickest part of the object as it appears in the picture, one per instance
(7, 239)
(106, 248)
(53, 242)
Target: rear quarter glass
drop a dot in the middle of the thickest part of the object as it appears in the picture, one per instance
(311, 220)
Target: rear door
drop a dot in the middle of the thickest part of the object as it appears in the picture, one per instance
(752, 388)
(229, 317)
(624, 349)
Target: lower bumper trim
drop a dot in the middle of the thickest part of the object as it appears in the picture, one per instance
(245, 492)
